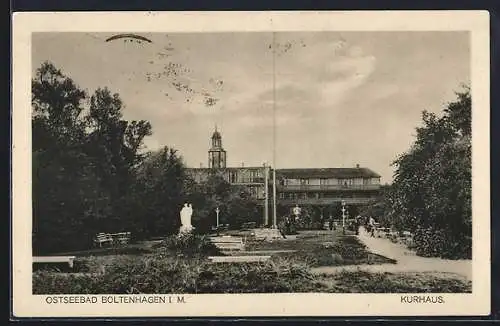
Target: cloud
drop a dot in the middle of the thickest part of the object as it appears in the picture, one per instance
(341, 98)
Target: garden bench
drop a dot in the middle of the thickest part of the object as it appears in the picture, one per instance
(112, 238)
(54, 260)
(103, 238)
(380, 232)
(121, 238)
(228, 243)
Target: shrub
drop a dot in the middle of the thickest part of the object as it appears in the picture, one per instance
(366, 282)
(161, 274)
(393, 238)
(432, 242)
(189, 245)
(346, 250)
(287, 227)
(350, 248)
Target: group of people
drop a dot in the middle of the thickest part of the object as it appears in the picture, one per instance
(368, 222)
(370, 226)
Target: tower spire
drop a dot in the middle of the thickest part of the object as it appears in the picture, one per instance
(216, 153)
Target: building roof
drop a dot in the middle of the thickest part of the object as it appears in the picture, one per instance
(202, 169)
(340, 173)
(216, 134)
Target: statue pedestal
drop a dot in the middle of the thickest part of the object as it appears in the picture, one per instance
(267, 234)
(186, 229)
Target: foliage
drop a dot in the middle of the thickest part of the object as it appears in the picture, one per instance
(85, 165)
(235, 204)
(432, 185)
(378, 209)
(160, 193)
(160, 274)
(322, 250)
(346, 250)
(287, 226)
(367, 282)
(308, 219)
(189, 245)
(91, 173)
(441, 242)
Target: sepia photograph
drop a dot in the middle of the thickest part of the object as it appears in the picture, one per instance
(251, 162)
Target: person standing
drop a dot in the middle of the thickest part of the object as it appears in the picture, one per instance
(371, 224)
(357, 222)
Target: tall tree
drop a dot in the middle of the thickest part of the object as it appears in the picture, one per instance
(431, 193)
(236, 205)
(84, 162)
(64, 188)
(160, 181)
(116, 145)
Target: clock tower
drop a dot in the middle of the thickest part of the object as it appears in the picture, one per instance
(216, 154)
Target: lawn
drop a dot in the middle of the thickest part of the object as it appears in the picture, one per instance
(181, 266)
(369, 282)
(159, 274)
(323, 248)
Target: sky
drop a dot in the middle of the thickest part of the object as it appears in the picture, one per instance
(313, 100)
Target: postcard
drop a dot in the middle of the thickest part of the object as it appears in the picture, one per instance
(242, 164)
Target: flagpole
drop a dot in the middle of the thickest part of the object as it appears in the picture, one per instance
(266, 193)
(274, 132)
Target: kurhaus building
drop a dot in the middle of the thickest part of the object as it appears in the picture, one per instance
(322, 188)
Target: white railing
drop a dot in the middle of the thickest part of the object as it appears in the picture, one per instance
(326, 187)
(326, 201)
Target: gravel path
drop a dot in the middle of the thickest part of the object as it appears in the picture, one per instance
(407, 261)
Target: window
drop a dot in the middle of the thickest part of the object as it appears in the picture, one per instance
(281, 195)
(233, 177)
(304, 181)
(323, 182)
(255, 175)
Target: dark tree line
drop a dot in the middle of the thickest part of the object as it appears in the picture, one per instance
(85, 157)
(91, 172)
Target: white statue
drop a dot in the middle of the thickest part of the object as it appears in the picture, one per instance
(186, 213)
(296, 211)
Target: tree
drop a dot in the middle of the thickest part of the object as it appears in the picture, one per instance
(84, 162)
(57, 109)
(160, 193)
(380, 209)
(116, 146)
(431, 193)
(236, 206)
(64, 188)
